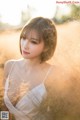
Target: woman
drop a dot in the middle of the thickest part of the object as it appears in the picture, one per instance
(28, 80)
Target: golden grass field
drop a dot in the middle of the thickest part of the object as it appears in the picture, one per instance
(67, 54)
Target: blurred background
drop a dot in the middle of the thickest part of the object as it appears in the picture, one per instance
(66, 15)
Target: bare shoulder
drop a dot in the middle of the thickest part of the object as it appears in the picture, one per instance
(9, 63)
(7, 67)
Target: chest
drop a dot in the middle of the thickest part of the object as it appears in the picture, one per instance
(20, 83)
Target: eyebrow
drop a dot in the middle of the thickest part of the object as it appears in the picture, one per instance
(35, 39)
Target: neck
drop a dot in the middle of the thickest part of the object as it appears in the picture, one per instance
(32, 62)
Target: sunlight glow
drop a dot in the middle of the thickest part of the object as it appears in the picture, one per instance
(66, 10)
(10, 10)
(63, 10)
(44, 8)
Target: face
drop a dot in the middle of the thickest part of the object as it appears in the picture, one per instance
(31, 47)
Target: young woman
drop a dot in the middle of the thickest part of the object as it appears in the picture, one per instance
(27, 79)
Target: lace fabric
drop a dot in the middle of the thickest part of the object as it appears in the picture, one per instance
(25, 102)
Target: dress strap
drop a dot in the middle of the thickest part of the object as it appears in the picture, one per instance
(11, 68)
(7, 81)
(49, 70)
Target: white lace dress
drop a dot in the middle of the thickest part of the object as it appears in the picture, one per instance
(27, 107)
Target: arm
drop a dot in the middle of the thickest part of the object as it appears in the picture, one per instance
(7, 68)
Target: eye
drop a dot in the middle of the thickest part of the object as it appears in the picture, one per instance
(34, 42)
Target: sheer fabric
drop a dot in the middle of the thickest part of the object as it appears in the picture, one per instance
(26, 107)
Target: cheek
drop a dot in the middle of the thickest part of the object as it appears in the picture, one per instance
(39, 48)
(22, 43)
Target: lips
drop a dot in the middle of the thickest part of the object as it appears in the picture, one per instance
(25, 52)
